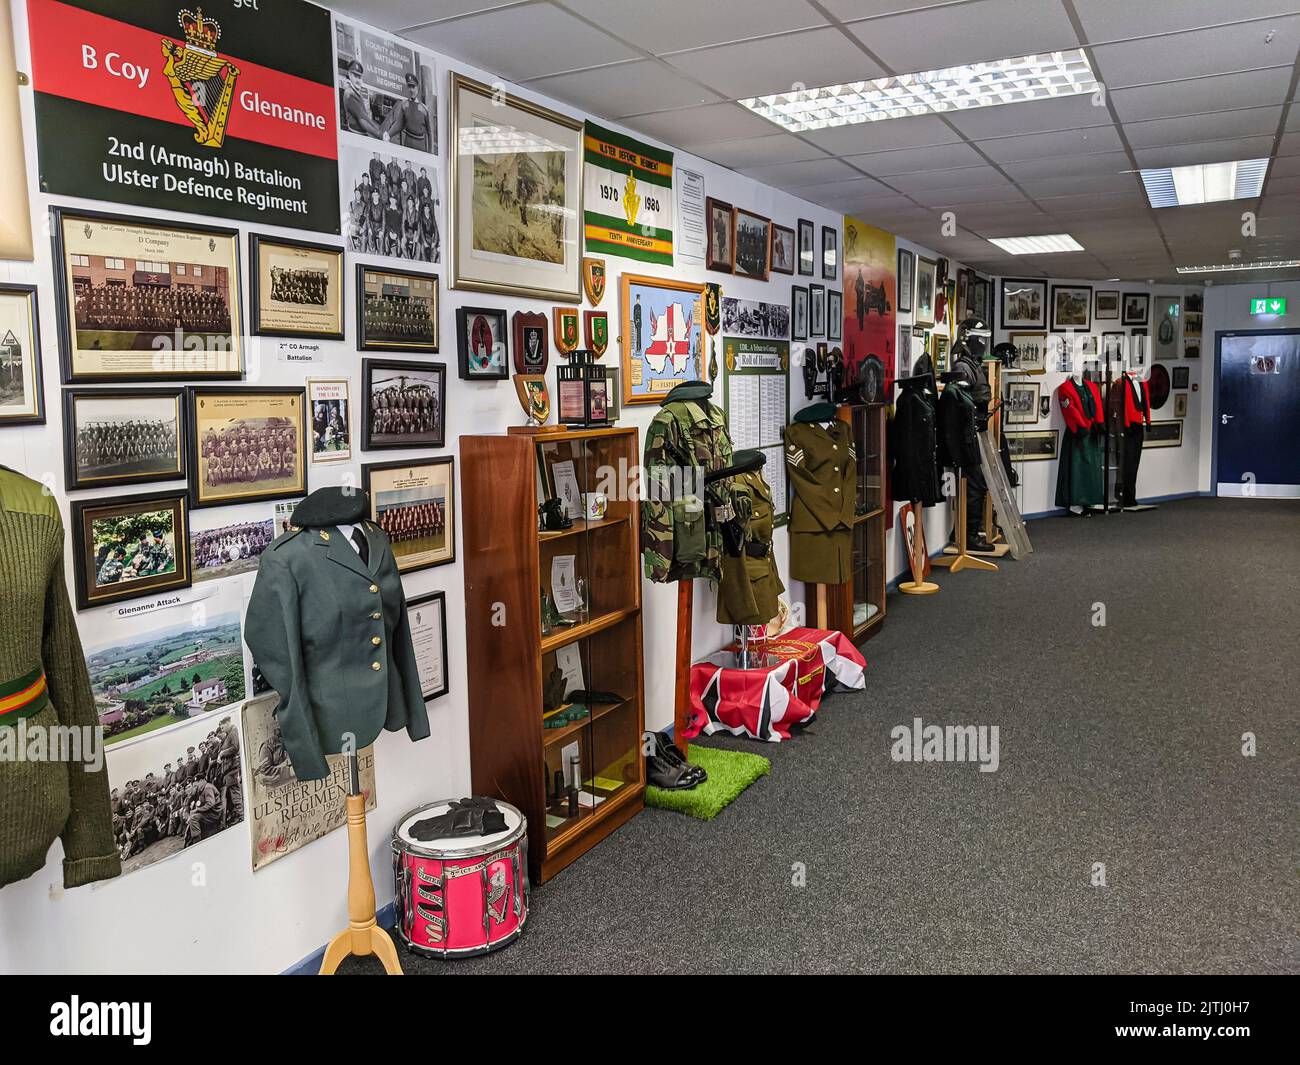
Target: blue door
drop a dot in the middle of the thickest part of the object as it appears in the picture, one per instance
(1257, 423)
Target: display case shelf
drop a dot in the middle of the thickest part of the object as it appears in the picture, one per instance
(857, 607)
(579, 527)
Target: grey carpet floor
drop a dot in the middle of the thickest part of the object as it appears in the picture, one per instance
(1120, 744)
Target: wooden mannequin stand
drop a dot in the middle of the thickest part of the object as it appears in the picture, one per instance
(918, 585)
(363, 936)
(682, 695)
(961, 559)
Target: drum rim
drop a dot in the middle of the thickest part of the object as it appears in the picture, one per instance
(424, 850)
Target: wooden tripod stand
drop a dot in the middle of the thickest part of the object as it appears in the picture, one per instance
(962, 559)
(363, 936)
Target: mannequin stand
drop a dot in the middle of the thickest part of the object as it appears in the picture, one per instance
(363, 936)
(918, 585)
(682, 697)
(961, 559)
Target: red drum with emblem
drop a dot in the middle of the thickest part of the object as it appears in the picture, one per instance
(456, 897)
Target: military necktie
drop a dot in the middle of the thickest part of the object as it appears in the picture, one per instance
(363, 545)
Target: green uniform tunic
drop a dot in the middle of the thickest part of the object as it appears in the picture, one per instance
(750, 582)
(823, 468)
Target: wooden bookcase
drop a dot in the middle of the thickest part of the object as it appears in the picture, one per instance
(857, 607)
(508, 563)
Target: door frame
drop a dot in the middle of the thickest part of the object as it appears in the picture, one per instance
(1219, 335)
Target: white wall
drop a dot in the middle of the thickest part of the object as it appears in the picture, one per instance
(156, 919)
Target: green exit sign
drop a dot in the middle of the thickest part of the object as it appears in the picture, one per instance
(1268, 305)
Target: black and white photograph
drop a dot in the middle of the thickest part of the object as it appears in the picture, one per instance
(1031, 352)
(331, 419)
(481, 344)
(751, 236)
(906, 279)
(1105, 305)
(22, 397)
(783, 249)
(1137, 308)
(755, 318)
(387, 88)
(817, 310)
(1021, 406)
(807, 250)
(834, 314)
(719, 251)
(175, 790)
(1071, 307)
(1031, 445)
(404, 404)
(799, 312)
(830, 253)
(228, 541)
(1060, 351)
(393, 204)
(397, 311)
(123, 436)
(1024, 303)
(295, 288)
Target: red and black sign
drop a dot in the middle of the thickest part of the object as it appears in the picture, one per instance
(223, 108)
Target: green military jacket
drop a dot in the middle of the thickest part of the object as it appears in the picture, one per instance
(331, 635)
(750, 583)
(822, 464)
(687, 439)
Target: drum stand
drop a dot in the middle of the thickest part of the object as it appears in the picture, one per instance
(363, 936)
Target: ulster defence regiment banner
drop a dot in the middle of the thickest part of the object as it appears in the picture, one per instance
(222, 108)
(627, 197)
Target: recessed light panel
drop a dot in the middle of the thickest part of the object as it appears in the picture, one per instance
(1278, 264)
(1179, 186)
(1002, 81)
(1045, 244)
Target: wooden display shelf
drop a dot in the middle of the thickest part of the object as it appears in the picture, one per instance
(551, 736)
(569, 633)
(579, 527)
(870, 529)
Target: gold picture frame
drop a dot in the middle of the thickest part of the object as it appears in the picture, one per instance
(246, 444)
(15, 208)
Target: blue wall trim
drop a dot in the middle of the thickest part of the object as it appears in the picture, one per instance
(310, 965)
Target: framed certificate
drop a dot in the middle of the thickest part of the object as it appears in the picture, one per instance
(426, 616)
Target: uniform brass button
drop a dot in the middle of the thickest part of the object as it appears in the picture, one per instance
(835, 447)
(837, 491)
(376, 615)
(837, 469)
(374, 587)
(325, 536)
(374, 666)
(375, 640)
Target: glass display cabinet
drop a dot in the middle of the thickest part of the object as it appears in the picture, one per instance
(553, 628)
(857, 607)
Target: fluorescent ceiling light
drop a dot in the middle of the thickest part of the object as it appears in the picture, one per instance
(1179, 186)
(1002, 81)
(1278, 264)
(1045, 244)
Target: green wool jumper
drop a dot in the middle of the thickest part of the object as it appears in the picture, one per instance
(44, 682)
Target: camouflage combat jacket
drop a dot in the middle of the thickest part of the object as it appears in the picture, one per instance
(687, 439)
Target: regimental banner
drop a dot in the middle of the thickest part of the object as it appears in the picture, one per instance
(221, 109)
(627, 197)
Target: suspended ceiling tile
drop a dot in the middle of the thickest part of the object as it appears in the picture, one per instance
(913, 132)
(1110, 20)
(1204, 152)
(965, 33)
(699, 127)
(902, 161)
(519, 43)
(1036, 116)
(963, 177)
(776, 64)
(761, 151)
(1194, 96)
(1222, 50)
(1224, 125)
(1290, 143)
(663, 26)
(959, 198)
(1056, 165)
(404, 14)
(1042, 145)
(849, 10)
(808, 172)
(622, 89)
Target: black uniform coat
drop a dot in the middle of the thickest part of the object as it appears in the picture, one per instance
(913, 445)
(331, 635)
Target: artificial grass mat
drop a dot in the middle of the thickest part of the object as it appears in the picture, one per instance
(730, 773)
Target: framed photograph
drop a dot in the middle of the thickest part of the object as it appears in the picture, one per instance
(662, 343)
(613, 393)
(125, 318)
(1023, 303)
(129, 546)
(817, 310)
(1137, 308)
(1180, 405)
(906, 280)
(799, 312)
(1138, 348)
(1031, 445)
(426, 617)
(22, 395)
(331, 419)
(980, 301)
(516, 216)
(1105, 305)
(1166, 319)
(719, 250)
(1060, 352)
(1071, 307)
(404, 404)
(1182, 376)
(118, 436)
(834, 314)
(925, 293)
(227, 541)
(963, 295)
(397, 310)
(807, 253)
(246, 444)
(751, 238)
(1165, 434)
(481, 344)
(531, 341)
(415, 504)
(783, 249)
(1021, 406)
(295, 289)
(1031, 353)
(830, 253)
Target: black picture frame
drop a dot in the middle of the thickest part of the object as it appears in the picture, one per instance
(1039, 322)
(716, 258)
(194, 446)
(365, 343)
(791, 238)
(754, 271)
(58, 214)
(816, 298)
(439, 598)
(830, 253)
(256, 241)
(73, 480)
(86, 567)
(1182, 376)
(834, 314)
(1140, 298)
(806, 253)
(37, 417)
(368, 471)
(797, 293)
(464, 367)
(1085, 292)
(369, 438)
(906, 280)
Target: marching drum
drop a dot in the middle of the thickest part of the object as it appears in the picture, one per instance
(459, 896)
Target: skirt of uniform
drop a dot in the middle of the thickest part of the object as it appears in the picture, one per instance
(1078, 476)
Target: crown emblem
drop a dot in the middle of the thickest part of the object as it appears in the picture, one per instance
(199, 32)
